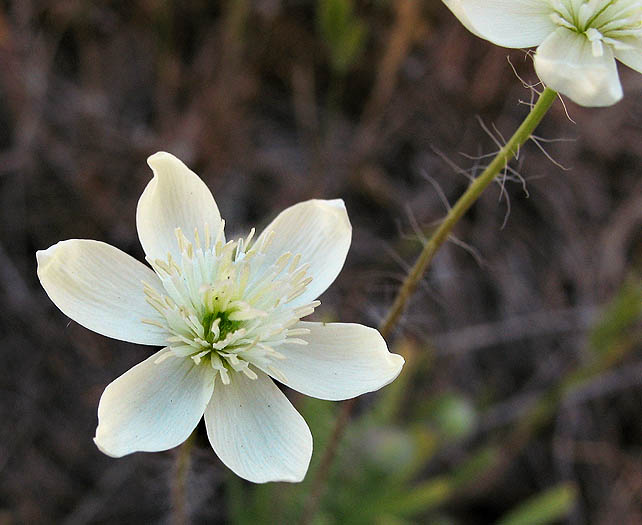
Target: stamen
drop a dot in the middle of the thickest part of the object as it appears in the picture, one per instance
(280, 263)
(295, 262)
(197, 358)
(595, 37)
(298, 331)
(153, 323)
(222, 304)
(296, 341)
(267, 240)
(249, 373)
(183, 350)
(163, 357)
(278, 374)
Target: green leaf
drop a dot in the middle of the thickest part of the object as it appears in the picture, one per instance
(343, 33)
(350, 47)
(475, 466)
(423, 497)
(547, 507)
(451, 415)
(620, 316)
(333, 17)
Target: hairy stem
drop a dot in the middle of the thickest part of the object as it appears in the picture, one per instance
(471, 195)
(416, 273)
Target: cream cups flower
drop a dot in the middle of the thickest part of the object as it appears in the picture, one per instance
(228, 314)
(578, 40)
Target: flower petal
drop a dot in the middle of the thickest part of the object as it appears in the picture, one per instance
(631, 55)
(256, 431)
(506, 23)
(456, 6)
(340, 361)
(153, 406)
(175, 198)
(100, 287)
(565, 63)
(320, 231)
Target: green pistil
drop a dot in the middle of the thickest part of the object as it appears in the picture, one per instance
(226, 325)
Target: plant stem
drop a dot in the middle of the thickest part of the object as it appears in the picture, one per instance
(179, 499)
(473, 192)
(416, 273)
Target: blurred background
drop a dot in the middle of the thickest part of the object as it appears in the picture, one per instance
(520, 400)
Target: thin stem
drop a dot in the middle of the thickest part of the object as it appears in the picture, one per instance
(473, 192)
(416, 273)
(179, 498)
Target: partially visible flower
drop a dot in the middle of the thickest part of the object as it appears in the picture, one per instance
(578, 40)
(228, 315)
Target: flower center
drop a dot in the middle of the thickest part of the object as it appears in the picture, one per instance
(224, 323)
(610, 22)
(226, 306)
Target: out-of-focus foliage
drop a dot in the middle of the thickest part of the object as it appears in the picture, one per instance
(342, 31)
(619, 321)
(548, 507)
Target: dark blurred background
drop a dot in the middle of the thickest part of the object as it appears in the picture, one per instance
(521, 395)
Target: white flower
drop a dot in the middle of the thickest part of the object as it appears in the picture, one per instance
(228, 315)
(578, 40)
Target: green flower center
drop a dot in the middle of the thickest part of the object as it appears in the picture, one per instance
(225, 325)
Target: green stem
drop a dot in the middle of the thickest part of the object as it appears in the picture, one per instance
(473, 192)
(179, 514)
(416, 273)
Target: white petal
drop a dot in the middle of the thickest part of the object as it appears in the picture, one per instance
(458, 10)
(256, 431)
(631, 55)
(175, 198)
(100, 287)
(153, 406)
(565, 63)
(318, 230)
(506, 23)
(340, 361)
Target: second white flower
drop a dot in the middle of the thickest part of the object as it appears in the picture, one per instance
(578, 40)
